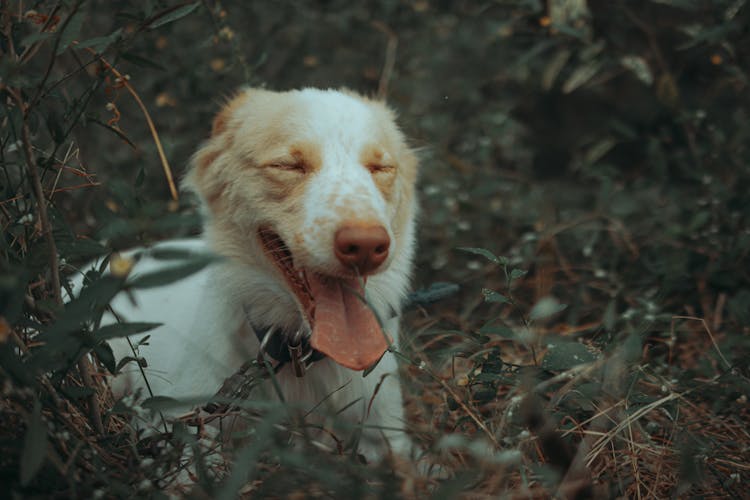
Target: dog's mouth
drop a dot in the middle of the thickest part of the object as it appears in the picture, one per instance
(343, 327)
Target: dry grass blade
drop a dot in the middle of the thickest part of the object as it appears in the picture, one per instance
(152, 128)
(625, 423)
(727, 364)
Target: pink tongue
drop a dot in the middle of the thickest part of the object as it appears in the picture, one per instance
(345, 329)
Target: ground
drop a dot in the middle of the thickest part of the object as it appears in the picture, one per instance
(584, 179)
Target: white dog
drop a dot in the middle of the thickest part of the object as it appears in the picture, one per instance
(309, 197)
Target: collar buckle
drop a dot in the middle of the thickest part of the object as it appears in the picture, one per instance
(300, 352)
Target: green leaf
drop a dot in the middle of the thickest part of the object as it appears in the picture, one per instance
(435, 292)
(486, 254)
(79, 248)
(141, 61)
(130, 359)
(123, 330)
(632, 348)
(546, 307)
(159, 403)
(681, 4)
(54, 126)
(36, 37)
(501, 330)
(582, 75)
(104, 352)
(13, 290)
(597, 151)
(102, 43)
(119, 133)
(34, 446)
(554, 68)
(547, 475)
(610, 316)
(172, 274)
(71, 32)
(494, 297)
(140, 177)
(77, 392)
(739, 306)
(171, 253)
(479, 448)
(13, 75)
(517, 273)
(639, 67)
(84, 308)
(564, 355)
(169, 16)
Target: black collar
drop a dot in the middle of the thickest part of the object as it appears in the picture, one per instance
(279, 343)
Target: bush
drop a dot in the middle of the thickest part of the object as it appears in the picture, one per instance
(600, 147)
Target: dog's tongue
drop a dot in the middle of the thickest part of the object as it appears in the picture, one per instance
(345, 329)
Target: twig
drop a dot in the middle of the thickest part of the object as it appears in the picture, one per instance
(76, 187)
(664, 66)
(149, 121)
(36, 185)
(10, 50)
(609, 436)
(53, 57)
(390, 58)
(718, 311)
(84, 364)
(708, 331)
(30, 51)
(85, 367)
(478, 421)
(60, 171)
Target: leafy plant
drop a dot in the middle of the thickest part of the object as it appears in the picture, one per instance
(600, 147)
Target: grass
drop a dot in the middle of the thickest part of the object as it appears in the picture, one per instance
(594, 159)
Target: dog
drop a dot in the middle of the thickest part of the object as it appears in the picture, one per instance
(308, 197)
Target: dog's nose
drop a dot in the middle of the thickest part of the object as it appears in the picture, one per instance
(362, 247)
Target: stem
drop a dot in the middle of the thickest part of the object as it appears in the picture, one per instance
(390, 58)
(149, 122)
(41, 202)
(84, 365)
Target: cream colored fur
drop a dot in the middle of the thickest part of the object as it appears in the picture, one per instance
(303, 162)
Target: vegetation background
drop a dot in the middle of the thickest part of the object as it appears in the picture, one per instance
(590, 157)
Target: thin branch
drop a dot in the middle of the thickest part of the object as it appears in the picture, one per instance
(85, 367)
(708, 331)
(31, 50)
(390, 58)
(53, 58)
(151, 126)
(41, 202)
(84, 364)
(4, 11)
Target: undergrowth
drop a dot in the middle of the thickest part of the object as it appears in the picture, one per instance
(584, 182)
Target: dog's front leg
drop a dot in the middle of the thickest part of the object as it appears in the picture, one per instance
(385, 423)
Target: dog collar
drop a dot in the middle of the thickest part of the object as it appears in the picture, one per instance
(285, 346)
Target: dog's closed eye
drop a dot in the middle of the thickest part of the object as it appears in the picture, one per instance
(376, 168)
(291, 165)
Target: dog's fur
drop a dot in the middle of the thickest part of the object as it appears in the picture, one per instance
(303, 163)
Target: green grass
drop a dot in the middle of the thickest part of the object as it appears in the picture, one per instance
(596, 161)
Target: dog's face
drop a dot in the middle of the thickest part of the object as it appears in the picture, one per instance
(317, 187)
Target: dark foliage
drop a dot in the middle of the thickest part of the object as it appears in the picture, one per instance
(600, 147)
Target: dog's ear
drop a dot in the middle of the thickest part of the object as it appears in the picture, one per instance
(220, 121)
(224, 116)
(204, 177)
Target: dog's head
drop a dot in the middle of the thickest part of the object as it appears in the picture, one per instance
(316, 187)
